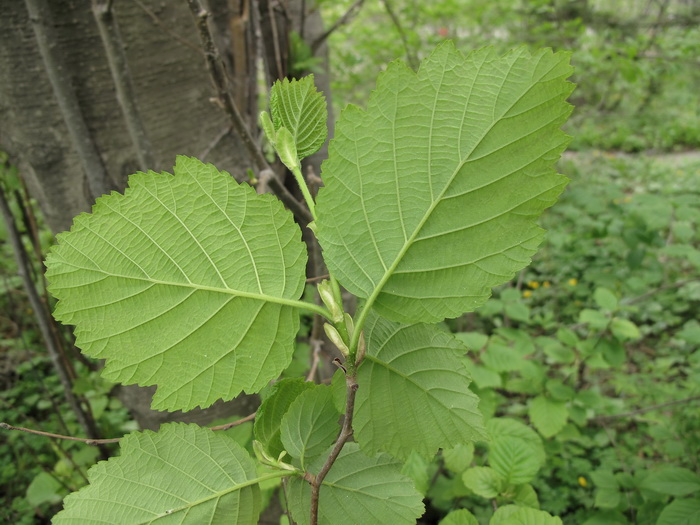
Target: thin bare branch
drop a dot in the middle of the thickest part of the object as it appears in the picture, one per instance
(96, 442)
(225, 101)
(344, 19)
(600, 419)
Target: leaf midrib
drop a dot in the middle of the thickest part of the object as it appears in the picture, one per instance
(229, 291)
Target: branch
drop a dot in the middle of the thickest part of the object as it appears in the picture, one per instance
(600, 419)
(62, 86)
(410, 57)
(346, 18)
(97, 442)
(677, 284)
(345, 433)
(119, 68)
(225, 101)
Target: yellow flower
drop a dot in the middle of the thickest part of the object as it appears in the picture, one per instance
(573, 282)
(527, 293)
(546, 284)
(534, 285)
(582, 481)
(627, 199)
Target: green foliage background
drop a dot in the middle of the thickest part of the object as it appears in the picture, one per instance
(604, 322)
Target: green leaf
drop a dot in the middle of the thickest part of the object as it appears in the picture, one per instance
(484, 481)
(286, 149)
(298, 107)
(513, 459)
(548, 416)
(44, 488)
(358, 489)
(681, 512)
(624, 329)
(459, 458)
(607, 494)
(501, 427)
(457, 160)
(310, 425)
(189, 282)
(183, 473)
(503, 513)
(528, 516)
(459, 517)
(416, 468)
(525, 496)
(674, 481)
(413, 391)
(502, 358)
(268, 420)
(605, 299)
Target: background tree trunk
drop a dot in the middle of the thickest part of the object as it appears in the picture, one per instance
(171, 95)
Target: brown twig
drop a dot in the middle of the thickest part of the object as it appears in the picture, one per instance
(96, 442)
(600, 419)
(345, 433)
(344, 19)
(677, 284)
(225, 101)
(410, 56)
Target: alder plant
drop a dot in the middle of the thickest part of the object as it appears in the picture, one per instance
(193, 282)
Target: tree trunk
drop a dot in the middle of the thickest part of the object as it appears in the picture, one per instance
(80, 111)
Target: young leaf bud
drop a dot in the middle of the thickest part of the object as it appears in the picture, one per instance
(349, 325)
(286, 148)
(268, 127)
(326, 293)
(335, 338)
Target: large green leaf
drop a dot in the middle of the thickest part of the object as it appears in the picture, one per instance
(188, 282)
(432, 194)
(484, 481)
(413, 391)
(358, 489)
(503, 427)
(310, 425)
(183, 474)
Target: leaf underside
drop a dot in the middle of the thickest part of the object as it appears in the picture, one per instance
(184, 282)
(183, 474)
(414, 391)
(432, 194)
(298, 107)
(358, 489)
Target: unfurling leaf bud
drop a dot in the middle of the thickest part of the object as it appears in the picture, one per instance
(335, 338)
(286, 148)
(361, 349)
(268, 127)
(328, 298)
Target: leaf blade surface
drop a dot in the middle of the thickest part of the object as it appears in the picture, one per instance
(155, 278)
(407, 179)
